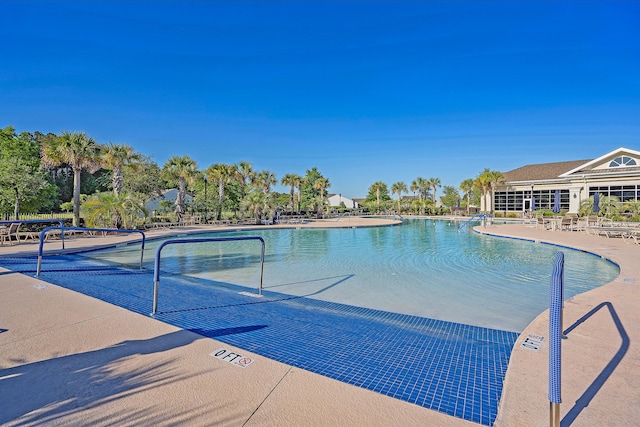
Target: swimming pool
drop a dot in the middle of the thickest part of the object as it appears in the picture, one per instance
(423, 267)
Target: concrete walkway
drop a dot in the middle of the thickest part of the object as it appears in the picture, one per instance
(68, 359)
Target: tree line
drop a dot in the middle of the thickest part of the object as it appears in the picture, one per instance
(108, 185)
(472, 192)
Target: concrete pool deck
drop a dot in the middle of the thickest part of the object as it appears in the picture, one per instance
(70, 359)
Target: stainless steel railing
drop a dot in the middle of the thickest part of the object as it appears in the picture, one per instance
(156, 269)
(43, 235)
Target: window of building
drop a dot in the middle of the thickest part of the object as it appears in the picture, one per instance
(622, 161)
(513, 201)
(624, 193)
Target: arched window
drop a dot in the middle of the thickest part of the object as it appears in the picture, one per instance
(622, 161)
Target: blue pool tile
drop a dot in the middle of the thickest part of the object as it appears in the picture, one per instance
(448, 367)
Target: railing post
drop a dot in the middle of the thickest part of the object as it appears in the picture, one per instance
(555, 339)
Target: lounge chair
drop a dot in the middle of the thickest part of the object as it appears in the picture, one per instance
(8, 233)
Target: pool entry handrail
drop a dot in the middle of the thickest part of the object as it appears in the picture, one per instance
(43, 235)
(474, 217)
(556, 297)
(156, 268)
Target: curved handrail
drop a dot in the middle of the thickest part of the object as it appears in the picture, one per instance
(44, 232)
(41, 221)
(474, 217)
(156, 267)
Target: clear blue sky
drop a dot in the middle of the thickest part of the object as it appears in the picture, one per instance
(365, 91)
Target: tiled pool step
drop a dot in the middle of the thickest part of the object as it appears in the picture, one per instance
(448, 367)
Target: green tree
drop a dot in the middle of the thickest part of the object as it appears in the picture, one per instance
(292, 180)
(321, 184)
(609, 206)
(144, 179)
(485, 181)
(256, 204)
(399, 188)
(110, 210)
(115, 157)
(450, 197)
(309, 190)
(377, 191)
(79, 151)
(245, 176)
(222, 174)
(434, 183)
(183, 170)
(466, 187)
(264, 180)
(421, 186)
(23, 185)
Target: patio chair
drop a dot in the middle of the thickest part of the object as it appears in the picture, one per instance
(10, 233)
(544, 223)
(567, 223)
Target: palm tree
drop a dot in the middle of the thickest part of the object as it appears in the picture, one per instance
(184, 169)
(300, 181)
(485, 181)
(467, 187)
(264, 180)
(79, 151)
(111, 210)
(114, 157)
(256, 203)
(420, 185)
(222, 174)
(378, 187)
(291, 180)
(399, 188)
(246, 175)
(434, 183)
(321, 184)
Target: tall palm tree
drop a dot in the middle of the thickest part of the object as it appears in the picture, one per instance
(378, 187)
(485, 181)
(434, 183)
(421, 185)
(264, 180)
(114, 157)
(292, 180)
(467, 187)
(183, 169)
(300, 181)
(321, 184)
(79, 151)
(245, 175)
(399, 188)
(222, 174)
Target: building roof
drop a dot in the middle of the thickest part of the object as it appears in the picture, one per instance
(542, 171)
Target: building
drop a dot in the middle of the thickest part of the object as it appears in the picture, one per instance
(336, 199)
(616, 173)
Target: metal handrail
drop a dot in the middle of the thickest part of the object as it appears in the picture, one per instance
(156, 268)
(40, 221)
(556, 299)
(476, 217)
(44, 232)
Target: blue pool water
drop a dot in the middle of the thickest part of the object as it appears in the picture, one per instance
(318, 285)
(423, 267)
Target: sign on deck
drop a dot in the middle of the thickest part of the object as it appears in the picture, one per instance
(232, 357)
